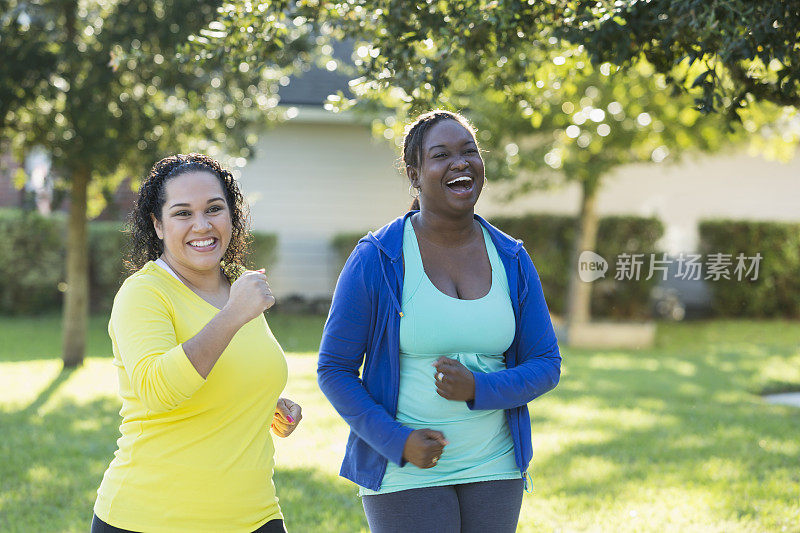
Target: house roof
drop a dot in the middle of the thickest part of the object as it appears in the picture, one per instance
(312, 87)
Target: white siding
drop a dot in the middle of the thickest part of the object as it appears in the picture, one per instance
(310, 181)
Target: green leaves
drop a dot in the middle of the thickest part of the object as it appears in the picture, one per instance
(749, 42)
(114, 86)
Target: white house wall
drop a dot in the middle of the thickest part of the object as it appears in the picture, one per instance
(313, 179)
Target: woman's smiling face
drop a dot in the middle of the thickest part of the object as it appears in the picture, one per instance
(195, 224)
(450, 175)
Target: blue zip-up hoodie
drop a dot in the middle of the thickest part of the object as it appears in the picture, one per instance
(364, 320)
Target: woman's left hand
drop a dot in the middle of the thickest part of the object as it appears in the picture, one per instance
(454, 381)
(287, 415)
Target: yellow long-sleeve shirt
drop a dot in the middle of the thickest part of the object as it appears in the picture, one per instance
(194, 454)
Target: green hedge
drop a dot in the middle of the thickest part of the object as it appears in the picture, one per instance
(776, 291)
(343, 244)
(264, 250)
(32, 257)
(549, 238)
(106, 272)
(31, 261)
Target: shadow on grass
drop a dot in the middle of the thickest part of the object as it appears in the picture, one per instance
(47, 392)
(652, 421)
(315, 501)
(52, 461)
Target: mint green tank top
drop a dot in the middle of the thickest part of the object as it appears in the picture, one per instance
(476, 333)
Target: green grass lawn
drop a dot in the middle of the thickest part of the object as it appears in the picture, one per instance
(670, 439)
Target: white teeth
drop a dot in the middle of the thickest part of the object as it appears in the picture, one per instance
(462, 178)
(200, 244)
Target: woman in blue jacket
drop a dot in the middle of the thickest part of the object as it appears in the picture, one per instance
(447, 317)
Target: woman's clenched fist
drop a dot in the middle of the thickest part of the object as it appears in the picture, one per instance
(250, 295)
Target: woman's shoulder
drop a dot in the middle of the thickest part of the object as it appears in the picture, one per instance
(147, 282)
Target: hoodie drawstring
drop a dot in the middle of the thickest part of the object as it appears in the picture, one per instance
(528, 482)
(391, 290)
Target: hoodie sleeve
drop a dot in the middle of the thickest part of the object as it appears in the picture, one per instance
(341, 354)
(538, 358)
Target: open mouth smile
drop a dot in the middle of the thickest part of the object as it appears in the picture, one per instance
(461, 184)
(203, 245)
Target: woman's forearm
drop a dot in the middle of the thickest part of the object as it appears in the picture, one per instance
(204, 349)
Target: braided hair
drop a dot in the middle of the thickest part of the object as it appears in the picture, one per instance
(144, 244)
(414, 139)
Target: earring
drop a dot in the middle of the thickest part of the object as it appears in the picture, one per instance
(411, 190)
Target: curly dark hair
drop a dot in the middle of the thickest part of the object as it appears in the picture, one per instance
(412, 143)
(145, 245)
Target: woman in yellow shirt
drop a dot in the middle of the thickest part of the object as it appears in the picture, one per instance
(199, 370)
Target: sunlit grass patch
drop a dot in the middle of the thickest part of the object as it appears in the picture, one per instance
(670, 439)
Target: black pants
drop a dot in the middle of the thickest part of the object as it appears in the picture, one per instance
(484, 506)
(98, 526)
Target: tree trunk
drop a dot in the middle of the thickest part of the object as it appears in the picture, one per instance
(579, 293)
(76, 299)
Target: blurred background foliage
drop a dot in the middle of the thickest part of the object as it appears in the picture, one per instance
(774, 293)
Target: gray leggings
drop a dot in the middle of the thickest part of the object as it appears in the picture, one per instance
(465, 508)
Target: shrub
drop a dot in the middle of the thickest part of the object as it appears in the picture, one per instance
(107, 241)
(549, 239)
(775, 291)
(632, 235)
(264, 250)
(31, 261)
(343, 244)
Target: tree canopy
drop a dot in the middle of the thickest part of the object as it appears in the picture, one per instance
(726, 54)
(107, 88)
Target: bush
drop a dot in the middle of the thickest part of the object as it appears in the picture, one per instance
(31, 261)
(549, 238)
(775, 292)
(264, 250)
(107, 241)
(343, 244)
(632, 235)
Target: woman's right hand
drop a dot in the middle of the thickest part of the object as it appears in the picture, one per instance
(250, 295)
(424, 447)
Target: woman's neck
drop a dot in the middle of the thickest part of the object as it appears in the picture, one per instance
(446, 231)
(203, 281)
